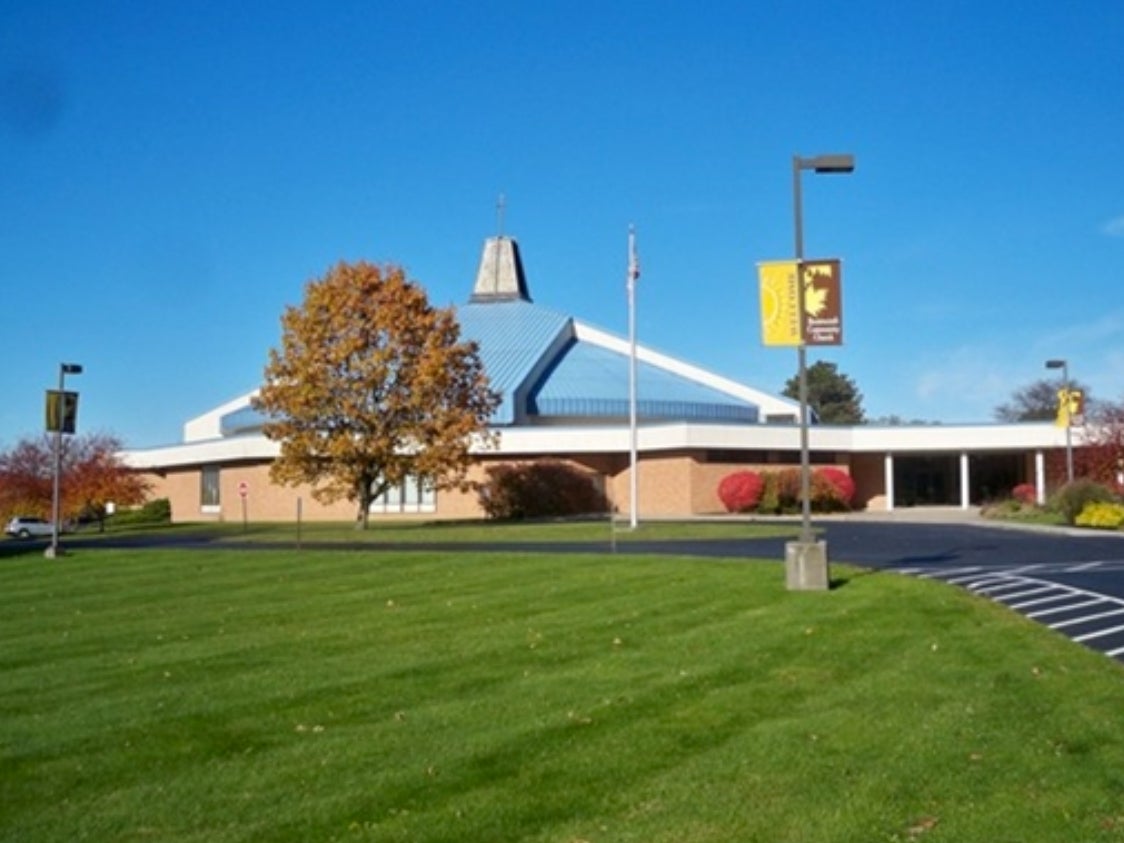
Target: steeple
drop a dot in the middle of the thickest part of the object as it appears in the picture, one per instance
(500, 276)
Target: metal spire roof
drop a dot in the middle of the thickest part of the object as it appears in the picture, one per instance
(549, 367)
(545, 366)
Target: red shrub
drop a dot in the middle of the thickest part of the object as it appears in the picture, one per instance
(741, 491)
(548, 489)
(832, 489)
(1025, 493)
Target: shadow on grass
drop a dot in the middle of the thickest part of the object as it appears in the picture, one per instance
(850, 574)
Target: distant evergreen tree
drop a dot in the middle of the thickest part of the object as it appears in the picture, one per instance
(832, 395)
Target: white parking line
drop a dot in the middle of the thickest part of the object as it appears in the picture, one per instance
(977, 577)
(1065, 595)
(991, 590)
(1084, 566)
(1100, 633)
(1029, 593)
(1037, 566)
(927, 574)
(1095, 602)
(974, 585)
(1085, 619)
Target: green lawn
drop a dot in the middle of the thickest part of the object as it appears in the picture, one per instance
(319, 696)
(475, 531)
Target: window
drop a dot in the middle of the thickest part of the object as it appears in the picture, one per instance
(209, 497)
(411, 495)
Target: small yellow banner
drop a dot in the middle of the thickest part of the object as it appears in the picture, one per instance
(1071, 405)
(780, 309)
(61, 411)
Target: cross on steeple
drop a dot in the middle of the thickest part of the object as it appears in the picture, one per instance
(501, 206)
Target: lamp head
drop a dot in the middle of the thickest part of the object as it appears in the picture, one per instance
(1055, 364)
(833, 163)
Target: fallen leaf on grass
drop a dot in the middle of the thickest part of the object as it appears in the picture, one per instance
(925, 824)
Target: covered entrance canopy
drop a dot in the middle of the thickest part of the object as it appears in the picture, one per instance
(943, 479)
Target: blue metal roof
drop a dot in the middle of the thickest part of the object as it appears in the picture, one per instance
(590, 381)
(515, 338)
(534, 360)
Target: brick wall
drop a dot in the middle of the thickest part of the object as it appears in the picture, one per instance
(670, 485)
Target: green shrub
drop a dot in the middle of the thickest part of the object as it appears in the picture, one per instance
(1073, 497)
(788, 490)
(1102, 516)
(770, 503)
(1005, 508)
(153, 513)
(539, 490)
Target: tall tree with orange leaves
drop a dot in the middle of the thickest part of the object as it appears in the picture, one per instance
(91, 477)
(372, 385)
(95, 477)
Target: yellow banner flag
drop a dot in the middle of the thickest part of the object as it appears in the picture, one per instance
(1071, 406)
(780, 309)
(62, 411)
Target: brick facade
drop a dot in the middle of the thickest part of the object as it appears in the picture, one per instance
(670, 485)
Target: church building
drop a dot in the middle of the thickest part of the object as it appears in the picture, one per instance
(564, 387)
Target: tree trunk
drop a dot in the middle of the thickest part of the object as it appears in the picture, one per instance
(363, 516)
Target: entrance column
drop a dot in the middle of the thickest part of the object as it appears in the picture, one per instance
(965, 481)
(1039, 477)
(888, 480)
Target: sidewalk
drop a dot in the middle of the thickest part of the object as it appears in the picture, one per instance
(912, 515)
(956, 515)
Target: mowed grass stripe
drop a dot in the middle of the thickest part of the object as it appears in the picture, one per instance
(227, 696)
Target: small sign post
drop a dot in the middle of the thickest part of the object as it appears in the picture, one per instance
(243, 493)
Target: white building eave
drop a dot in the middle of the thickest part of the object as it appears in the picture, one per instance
(206, 452)
(209, 425)
(561, 440)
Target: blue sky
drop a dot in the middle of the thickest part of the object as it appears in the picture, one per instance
(171, 174)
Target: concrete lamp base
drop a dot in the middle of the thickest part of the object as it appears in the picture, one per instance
(53, 552)
(805, 566)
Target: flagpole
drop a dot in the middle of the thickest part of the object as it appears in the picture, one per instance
(633, 274)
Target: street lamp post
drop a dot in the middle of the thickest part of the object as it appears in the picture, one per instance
(54, 550)
(1064, 366)
(806, 560)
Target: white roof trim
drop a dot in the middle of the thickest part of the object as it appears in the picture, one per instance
(209, 425)
(203, 453)
(562, 440)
